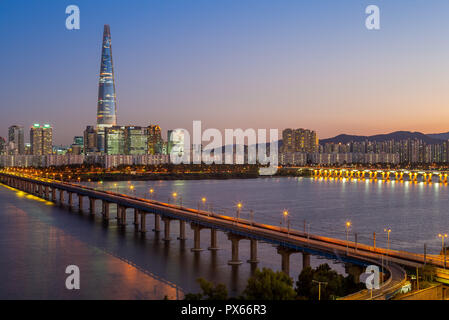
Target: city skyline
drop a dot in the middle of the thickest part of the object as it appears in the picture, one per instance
(217, 68)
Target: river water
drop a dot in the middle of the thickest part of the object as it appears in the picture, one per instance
(39, 239)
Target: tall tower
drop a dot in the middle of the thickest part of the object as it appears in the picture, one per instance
(107, 104)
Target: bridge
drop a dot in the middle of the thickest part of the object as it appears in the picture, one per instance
(286, 240)
(427, 176)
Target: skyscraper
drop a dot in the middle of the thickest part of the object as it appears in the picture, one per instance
(16, 140)
(106, 107)
(41, 138)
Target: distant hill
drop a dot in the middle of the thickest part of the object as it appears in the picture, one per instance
(398, 135)
(442, 136)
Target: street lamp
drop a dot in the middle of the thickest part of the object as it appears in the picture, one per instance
(348, 227)
(443, 249)
(319, 287)
(286, 219)
(132, 189)
(388, 243)
(175, 195)
(239, 207)
(388, 238)
(151, 193)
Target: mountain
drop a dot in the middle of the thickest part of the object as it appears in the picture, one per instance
(398, 135)
(441, 136)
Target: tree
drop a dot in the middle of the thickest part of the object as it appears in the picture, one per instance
(336, 284)
(210, 291)
(269, 285)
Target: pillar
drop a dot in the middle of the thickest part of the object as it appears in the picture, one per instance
(53, 194)
(157, 223)
(285, 255)
(123, 216)
(61, 196)
(305, 260)
(70, 200)
(119, 214)
(253, 247)
(46, 192)
(80, 202)
(40, 191)
(213, 240)
(143, 227)
(105, 210)
(92, 206)
(196, 237)
(182, 230)
(136, 217)
(235, 249)
(166, 229)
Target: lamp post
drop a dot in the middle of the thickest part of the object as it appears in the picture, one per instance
(319, 287)
(443, 249)
(175, 195)
(239, 208)
(388, 230)
(132, 189)
(151, 191)
(285, 218)
(348, 227)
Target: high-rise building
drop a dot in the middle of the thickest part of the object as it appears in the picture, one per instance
(2, 146)
(136, 140)
(114, 139)
(299, 140)
(15, 140)
(155, 142)
(41, 139)
(47, 139)
(90, 140)
(107, 104)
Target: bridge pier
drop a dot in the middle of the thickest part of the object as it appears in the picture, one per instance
(39, 191)
(157, 223)
(136, 218)
(253, 248)
(106, 210)
(182, 230)
(196, 237)
(46, 193)
(70, 200)
(61, 197)
(143, 223)
(121, 215)
(305, 260)
(235, 249)
(92, 206)
(285, 255)
(80, 202)
(166, 229)
(53, 194)
(213, 240)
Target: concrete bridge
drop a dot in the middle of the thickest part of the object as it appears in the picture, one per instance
(427, 176)
(286, 240)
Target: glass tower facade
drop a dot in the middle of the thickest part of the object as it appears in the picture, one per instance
(107, 104)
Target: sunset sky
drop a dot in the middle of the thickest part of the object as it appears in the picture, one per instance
(230, 63)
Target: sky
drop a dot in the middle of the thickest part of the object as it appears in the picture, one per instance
(229, 63)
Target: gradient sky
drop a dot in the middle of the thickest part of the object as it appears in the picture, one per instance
(229, 63)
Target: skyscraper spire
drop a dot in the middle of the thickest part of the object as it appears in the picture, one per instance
(107, 105)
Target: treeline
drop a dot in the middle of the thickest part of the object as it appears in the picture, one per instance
(267, 284)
